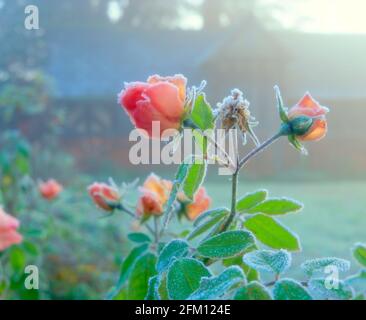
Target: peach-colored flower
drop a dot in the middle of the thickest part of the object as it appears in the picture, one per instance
(159, 99)
(50, 189)
(104, 196)
(200, 204)
(8, 230)
(309, 107)
(154, 194)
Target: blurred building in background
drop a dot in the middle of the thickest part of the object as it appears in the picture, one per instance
(90, 55)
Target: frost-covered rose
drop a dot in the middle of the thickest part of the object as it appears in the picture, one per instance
(200, 204)
(104, 196)
(154, 194)
(306, 108)
(159, 99)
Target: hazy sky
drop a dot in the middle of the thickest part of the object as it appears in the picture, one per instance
(319, 16)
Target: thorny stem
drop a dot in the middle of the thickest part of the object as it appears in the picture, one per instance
(259, 149)
(168, 217)
(240, 165)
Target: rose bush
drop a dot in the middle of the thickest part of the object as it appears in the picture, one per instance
(245, 240)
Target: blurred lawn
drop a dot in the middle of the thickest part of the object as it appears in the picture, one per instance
(333, 219)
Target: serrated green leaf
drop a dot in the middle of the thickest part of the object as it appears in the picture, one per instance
(269, 261)
(152, 291)
(288, 289)
(319, 265)
(322, 289)
(226, 244)
(215, 287)
(207, 225)
(272, 233)
(173, 250)
(359, 252)
(195, 176)
(253, 291)
(138, 282)
(276, 206)
(184, 277)
(250, 200)
(202, 114)
(211, 213)
(138, 237)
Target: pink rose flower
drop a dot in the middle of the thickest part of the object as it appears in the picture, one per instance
(50, 189)
(159, 99)
(8, 230)
(104, 196)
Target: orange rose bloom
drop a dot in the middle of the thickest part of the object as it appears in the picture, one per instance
(104, 196)
(309, 107)
(159, 99)
(154, 194)
(50, 189)
(200, 204)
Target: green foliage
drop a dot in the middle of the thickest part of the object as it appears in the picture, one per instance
(253, 291)
(218, 286)
(17, 259)
(226, 244)
(129, 263)
(201, 114)
(173, 250)
(139, 279)
(272, 233)
(221, 211)
(211, 219)
(250, 200)
(184, 277)
(195, 175)
(359, 252)
(288, 289)
(139, 237)
(250, 273)
(324, 289)
(269, 261)
(153, 286)
(319, 265)
(276, 206)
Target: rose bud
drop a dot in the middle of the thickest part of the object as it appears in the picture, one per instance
(154, 194)
(50, 189)
(8, 230)
(104, 196)
(303, 122)
(307, 119)
(200, 204)
(159, 99)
